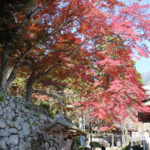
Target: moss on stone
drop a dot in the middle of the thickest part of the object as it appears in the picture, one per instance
(14, 118)
(35, 144)
(2, 97)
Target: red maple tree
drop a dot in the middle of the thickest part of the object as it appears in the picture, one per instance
(47, 41)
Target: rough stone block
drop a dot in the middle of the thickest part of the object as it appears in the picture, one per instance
(3, 132)
(13, 131)
(26, 129)
(3, 144)
(1, 111)
(52, 148)
(14, 139)
(2, 123)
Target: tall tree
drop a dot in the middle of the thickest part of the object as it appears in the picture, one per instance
(117, 91)
(36, 28)
(38, 24)
(55, 40)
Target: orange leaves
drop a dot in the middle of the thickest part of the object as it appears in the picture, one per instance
(31, 35)
(40, 4)
(41, 97)
(50, 47)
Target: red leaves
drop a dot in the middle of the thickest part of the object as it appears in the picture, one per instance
(31, 35)
(116, 89)
(132, 25)
(101, 69)
(104, 128)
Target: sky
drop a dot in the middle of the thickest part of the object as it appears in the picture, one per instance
(143, 65)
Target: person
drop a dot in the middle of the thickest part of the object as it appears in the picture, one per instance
(103, 147)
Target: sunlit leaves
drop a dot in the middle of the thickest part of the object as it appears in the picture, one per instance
(46, 46)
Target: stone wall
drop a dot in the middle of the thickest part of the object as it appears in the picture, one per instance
(20, 126)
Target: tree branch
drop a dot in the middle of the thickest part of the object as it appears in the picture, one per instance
(28, 17)
(55, 96)
(30, 14)
(77, 48)
(60, 62)
(13, 73)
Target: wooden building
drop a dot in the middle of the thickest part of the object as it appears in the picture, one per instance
(145, 116)
(117, 134)
(64, 130)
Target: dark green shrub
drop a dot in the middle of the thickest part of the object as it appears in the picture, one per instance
(137, 147)
(95, 144)
(76, 144)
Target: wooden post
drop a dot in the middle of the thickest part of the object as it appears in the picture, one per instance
(68, 144)
(131, 137)
(90, 136)
(112, 140)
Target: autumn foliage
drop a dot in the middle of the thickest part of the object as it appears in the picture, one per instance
(117, 91)
(84, 45)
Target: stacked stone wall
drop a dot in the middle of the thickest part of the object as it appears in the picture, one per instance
(20, 126)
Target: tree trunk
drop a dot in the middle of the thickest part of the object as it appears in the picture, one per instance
(126, 135)
(4, 70)
(29, 90)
